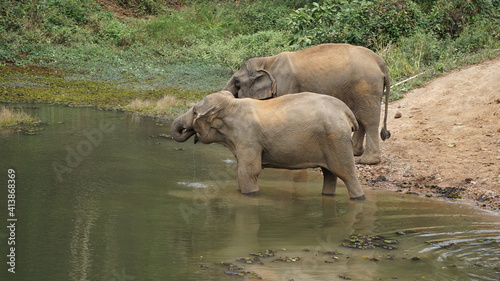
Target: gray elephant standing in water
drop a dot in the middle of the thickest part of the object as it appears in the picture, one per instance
(353, 74)
(298, 131)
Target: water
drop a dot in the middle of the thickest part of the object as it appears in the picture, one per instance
(101, 196)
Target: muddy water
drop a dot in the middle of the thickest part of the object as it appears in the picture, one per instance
(101, 196)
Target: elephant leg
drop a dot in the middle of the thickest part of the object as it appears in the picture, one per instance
(329, 183)
(371, 155)
(368, 115)
(249, 168)
(353, 187)
(342, 165)
(358, 139)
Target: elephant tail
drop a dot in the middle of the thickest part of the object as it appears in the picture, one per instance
(384, 133)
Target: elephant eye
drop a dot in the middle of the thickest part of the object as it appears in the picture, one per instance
(237, 83)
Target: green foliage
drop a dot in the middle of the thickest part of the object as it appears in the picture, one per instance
(413, 54)
(142, 7)
(478, 35)
(197, 44)
(427, 52)
(186, 26)
(262, 15)
(206, 21)
(448, 18)
(371, 23)
(52, 21)
(412, 36)
(356, 22)
(72, 10)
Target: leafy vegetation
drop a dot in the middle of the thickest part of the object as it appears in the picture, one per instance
(378, 23)
(123, 50)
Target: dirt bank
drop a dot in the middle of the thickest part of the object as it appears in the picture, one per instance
(445, 139)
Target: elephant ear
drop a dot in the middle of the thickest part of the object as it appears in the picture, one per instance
(216, 102)
(209, 114)
(263, 85)
(231, 87)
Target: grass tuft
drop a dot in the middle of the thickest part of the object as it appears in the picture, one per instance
(10, 118)
(18, 120)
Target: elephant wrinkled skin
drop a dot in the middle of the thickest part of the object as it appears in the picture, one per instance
(353, 74)
(304, 130)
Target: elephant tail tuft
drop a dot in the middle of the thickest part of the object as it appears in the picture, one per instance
(385, 134)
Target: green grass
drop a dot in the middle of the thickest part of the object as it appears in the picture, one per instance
(80, 53)
(46, 85)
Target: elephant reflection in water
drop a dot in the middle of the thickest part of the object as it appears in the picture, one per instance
(322, 228)
(299, 131)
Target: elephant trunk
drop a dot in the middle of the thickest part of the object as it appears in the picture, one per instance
(182, 127)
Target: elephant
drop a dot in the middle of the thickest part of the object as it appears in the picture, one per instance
(355, 75)
(300, 131)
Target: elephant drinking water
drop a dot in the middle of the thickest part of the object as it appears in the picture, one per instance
(353, 74)
(298, 131)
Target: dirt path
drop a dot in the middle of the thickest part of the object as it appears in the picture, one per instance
(447, 139)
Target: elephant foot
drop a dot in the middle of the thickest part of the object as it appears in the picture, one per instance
(358, 152)
(328, 194)
(360, 198)
(251, 194)
(368, 160)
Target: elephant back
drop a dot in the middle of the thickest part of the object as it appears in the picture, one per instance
(323, 107)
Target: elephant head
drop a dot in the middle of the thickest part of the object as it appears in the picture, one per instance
(252, 81)
(203, 119)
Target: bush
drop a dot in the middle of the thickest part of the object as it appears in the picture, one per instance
(478, 35)
(11, 13)
(370, 23)
(448, 18)
(356, 22)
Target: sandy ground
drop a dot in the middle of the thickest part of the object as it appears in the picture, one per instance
(445, 139)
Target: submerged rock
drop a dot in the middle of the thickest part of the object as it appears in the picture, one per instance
(367, 242)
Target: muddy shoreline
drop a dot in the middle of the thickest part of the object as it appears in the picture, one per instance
(445, 140)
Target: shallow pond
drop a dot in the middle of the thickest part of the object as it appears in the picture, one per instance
(103, 196)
